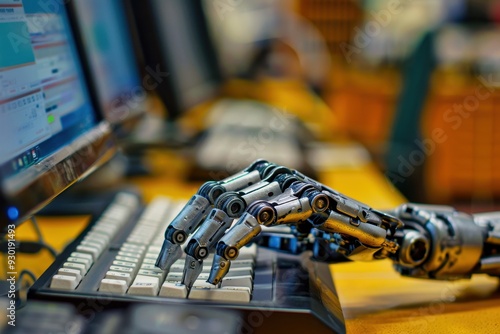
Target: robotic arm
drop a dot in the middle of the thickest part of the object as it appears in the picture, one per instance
(424, 241)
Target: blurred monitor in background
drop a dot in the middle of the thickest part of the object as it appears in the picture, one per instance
(268, 38)
(107, 43)
(124, 85)
(114, 64)
(111, 61)
(176, 39)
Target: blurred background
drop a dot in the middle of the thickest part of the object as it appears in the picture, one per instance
(415, 82)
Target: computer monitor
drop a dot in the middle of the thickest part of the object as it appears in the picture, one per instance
(175, 38)
(109, 56)
(50, 133)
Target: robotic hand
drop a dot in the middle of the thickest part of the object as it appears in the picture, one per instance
(423, 241)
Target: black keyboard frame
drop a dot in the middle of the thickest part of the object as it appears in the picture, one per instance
(290, 292)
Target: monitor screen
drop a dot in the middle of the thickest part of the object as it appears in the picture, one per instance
(107, 43)
(49, 131)
(176, 40)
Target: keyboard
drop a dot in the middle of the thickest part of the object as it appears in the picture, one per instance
(112, 264)
(240, 131)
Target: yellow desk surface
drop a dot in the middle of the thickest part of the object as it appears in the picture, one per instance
(374, 298)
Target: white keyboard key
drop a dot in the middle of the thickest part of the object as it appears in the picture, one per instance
(152, 268)
(157, 209)
(94, 236)
(151, 255)
(244, 281)
(70, 272)
(108, 220)
(144, 285)
(176, 276)
(116, 275)
(77, 266)
(64, 282)
(129, 201)
(102, 231)
(113, 286)
(174, 281)
(176, 268)
(159, 239)
(94, 239)
(128, 254)
(239, 272)
(137, 240)
(108, 227)
(143, 232)
(149, 261)
(98, 236)
(98, 244)
(203, 284)
(117, 213)
(173, 290)
(242, 263)
(127, 259)
(83, 256)
(235, 293)
(129, 245)
(143, 289)
(201, 293)
(124, 264)
(227, 294)
(146, 230)
(152, 273)
(140, 238)
(122, 269)
(133, 246)
(145, 221)
(132, 250)
(85, 262)
(94, 251)
(154, 249)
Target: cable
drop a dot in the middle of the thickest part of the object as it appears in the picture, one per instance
(23, 289)
(25, 272)
(27, 247)
(41, 240)
(37, 229)
(50, 249)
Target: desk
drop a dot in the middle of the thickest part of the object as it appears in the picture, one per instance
(374, 298)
